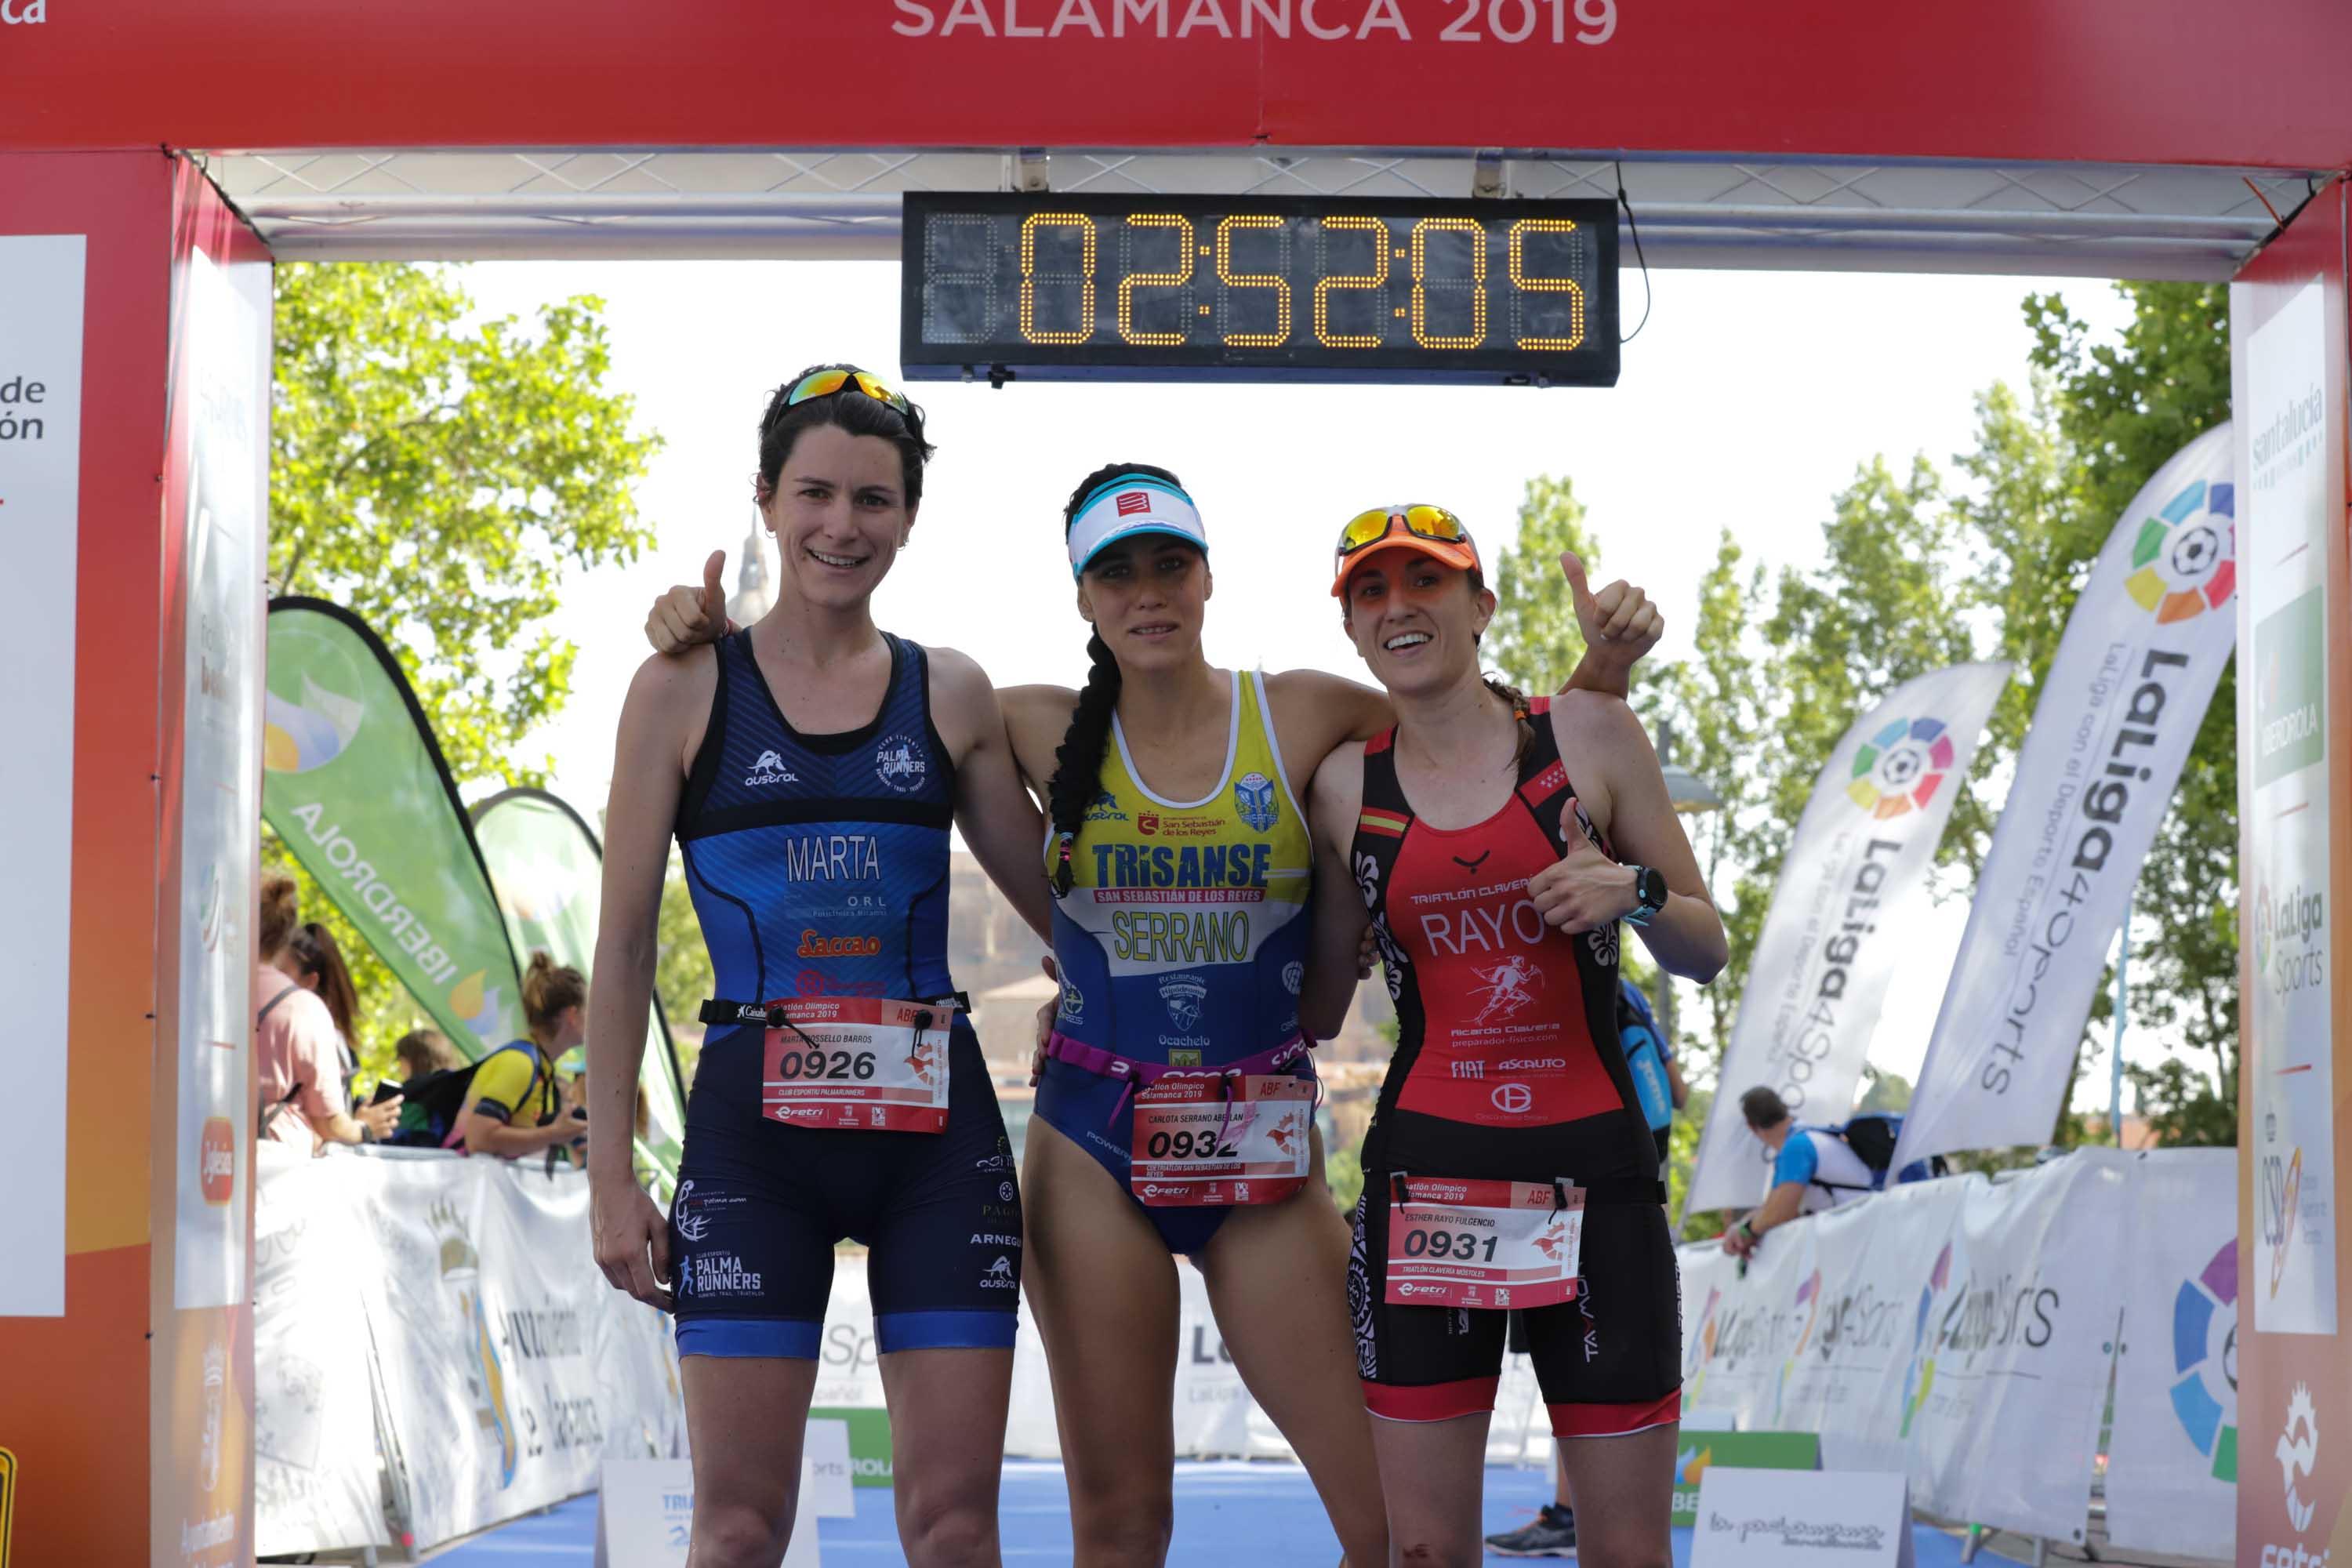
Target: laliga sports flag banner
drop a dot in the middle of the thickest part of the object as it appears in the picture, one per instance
(2143, 648)
(1831, 938)
(355, 784)
(547, 871)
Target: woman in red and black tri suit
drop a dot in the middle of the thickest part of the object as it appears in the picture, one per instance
(1497, 843)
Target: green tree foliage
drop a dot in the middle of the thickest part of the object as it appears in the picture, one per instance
(1921, 571)
(436, 473)
(1534, 641)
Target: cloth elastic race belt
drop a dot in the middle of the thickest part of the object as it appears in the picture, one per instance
(771, 1014)
(1110, 1064)
(1626, 1190)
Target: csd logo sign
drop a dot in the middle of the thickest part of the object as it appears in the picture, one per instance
(1512, 1098)
(216, 1159)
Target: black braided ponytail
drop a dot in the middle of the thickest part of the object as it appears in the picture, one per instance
(1077, 761)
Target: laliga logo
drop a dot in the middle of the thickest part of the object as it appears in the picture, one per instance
(2297, 1454)
(2205, 1356)
(216, 1159)
(2186, 556)
(1901, 767)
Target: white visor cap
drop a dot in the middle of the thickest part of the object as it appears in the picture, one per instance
(1130, 505)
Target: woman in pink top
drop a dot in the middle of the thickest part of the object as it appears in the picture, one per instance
(294, 1044)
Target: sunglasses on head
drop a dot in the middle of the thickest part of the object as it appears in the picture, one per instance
(826, 382)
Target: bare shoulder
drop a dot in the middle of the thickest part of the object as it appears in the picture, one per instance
(1593, 718)
(956, 674)
(667, 682)
(1338, 783)
(1037, 708)
(1310, 684)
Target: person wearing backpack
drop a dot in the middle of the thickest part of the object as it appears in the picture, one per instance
(516, 1106)
(1815, 1168)
(295, 1043)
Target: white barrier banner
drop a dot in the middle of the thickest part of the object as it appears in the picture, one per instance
(505, 1368)
(510, 1367)
(2172, 1465)
(1958, 1330)
(316, 1482)
(1859, 859)
(2146, 644)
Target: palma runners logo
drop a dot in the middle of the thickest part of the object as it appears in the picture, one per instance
(2185, 557)
(2205, 1356)
(1901, 767)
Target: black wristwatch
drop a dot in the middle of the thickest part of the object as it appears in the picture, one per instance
(1649, 892)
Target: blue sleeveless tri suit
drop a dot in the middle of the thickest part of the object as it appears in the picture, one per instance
(818, 865)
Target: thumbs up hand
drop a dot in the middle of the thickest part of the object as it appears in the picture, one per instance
(687, 615)
(1583, 889)
(1619, 623)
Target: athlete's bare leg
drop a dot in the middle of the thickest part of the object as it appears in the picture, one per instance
(1631, 1483)
(947, 1452)
(1434, 1473)
(1277, 1277)
(744, 1415)
(1104, 1290)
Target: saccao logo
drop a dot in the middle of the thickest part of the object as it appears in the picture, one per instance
(2205, 1353)
(2298, 1451)
(298, 735)
(1919, 1377)
(1900, 767)
(2186, 556)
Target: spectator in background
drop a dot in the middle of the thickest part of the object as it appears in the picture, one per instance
(422, 1051)
(318, 965)
(294, 1043)
(518, 1107)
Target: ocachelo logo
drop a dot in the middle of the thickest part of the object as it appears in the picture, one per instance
(1900, 767)
(2186, 556)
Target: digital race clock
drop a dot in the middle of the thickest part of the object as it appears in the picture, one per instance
(1258, 289)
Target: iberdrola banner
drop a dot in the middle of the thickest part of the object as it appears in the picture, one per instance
(1859, 859)
(2143, 648)
(547, 869)
(355, 784)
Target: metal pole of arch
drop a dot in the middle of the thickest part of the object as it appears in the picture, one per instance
(2115, 1055)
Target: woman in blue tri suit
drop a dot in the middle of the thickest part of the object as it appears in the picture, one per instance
(809, 767)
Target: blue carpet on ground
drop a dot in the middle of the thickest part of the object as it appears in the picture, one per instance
(1226, 1514)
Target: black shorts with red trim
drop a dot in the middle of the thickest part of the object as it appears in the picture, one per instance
(1609, 1362)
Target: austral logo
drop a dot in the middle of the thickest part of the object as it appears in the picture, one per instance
(2185, 558)
(1901, 767)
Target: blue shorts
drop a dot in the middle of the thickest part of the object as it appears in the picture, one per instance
(1078, 1105)
(761, 1204)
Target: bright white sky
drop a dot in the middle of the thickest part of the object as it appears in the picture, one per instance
(1747, 402)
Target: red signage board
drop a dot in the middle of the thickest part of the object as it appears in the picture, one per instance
(2156, 81)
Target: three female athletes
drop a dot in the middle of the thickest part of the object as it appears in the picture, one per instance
(1180, 863)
